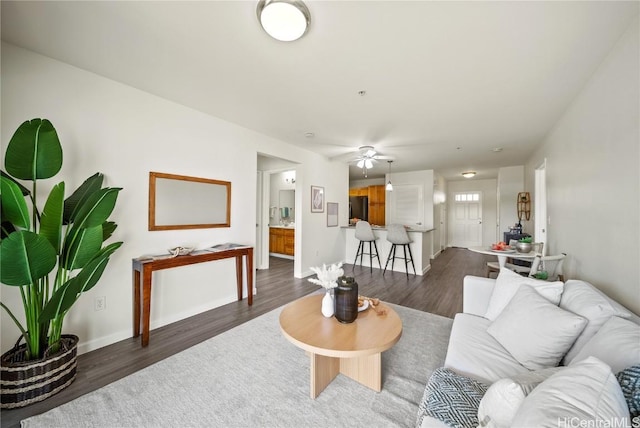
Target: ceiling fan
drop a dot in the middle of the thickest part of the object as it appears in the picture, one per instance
(366, 157)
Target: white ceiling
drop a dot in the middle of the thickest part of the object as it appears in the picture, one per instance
(446, 82)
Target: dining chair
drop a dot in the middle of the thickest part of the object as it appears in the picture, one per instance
(364, 234)
(397, 235)
(550, 264)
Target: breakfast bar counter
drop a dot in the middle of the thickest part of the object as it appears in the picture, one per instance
(421, 248)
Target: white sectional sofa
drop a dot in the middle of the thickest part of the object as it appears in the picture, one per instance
(532, 353)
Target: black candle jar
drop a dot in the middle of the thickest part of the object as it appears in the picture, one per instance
(346, 295)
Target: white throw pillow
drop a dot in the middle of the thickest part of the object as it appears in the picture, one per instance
(584, 299)
(535, 331)
(502, 400)
(617, 344)
(578, 395)
(508, 282)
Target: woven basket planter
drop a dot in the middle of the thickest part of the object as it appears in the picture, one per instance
(26, 382)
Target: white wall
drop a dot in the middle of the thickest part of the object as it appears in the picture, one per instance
(125, 133)
(439, 235)
(489, 203)
(423, 178)
(593, 182)
(510, 183)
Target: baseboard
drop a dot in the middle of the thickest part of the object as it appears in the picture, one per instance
(100, 342)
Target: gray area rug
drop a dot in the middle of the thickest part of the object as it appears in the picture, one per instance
(251, 376)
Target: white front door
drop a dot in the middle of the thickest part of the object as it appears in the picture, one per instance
(466, 219)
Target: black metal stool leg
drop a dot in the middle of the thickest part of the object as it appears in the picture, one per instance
(393, 259)
(406, 262)
(377, 254)
(370, 259)
(388, 258)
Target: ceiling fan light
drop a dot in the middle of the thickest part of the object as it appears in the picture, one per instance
(284, 20)
(360, 163)
(469, 174)
(368, 163)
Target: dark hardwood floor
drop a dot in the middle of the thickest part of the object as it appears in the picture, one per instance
(438, 292)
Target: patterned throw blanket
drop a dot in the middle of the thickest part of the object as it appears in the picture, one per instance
(452, 399)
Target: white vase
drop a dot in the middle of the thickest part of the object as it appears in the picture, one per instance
(328, 306)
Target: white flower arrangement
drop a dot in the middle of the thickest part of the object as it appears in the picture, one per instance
(327, 278)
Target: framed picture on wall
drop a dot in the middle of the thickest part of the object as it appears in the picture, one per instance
(332, 214)
(317, 199)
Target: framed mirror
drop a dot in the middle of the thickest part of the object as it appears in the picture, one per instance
(286, 204)
(183, 202)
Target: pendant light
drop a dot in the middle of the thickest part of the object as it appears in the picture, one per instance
(389, 187)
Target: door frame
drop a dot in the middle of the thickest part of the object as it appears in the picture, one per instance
(540, 204)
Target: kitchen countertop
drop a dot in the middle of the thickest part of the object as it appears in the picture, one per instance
(277, 226)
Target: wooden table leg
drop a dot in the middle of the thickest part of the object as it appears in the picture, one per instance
(136, 303)
(239, 276)
(366, 370)
(146, 303)
(250, 276)
(323, 371)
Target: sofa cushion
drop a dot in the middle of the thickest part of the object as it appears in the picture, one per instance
(584, 299)
(535, 331)
(508, 282)
(584, 393)
(617, 344)
(473, 352)
(502, 400)
(629, 380)
(451, 398)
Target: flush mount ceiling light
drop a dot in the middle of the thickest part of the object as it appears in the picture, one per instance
(284, 20)
(389, 187)
(469, 174)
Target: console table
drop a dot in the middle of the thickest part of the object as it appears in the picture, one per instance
(143, 272)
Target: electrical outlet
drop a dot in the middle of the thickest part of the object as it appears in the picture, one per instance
(100, 303)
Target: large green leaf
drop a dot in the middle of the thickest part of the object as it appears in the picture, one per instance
(24, 190)
(14, 207)
(97, 207)
(34, 151)
(108, 227)
(68, 293)
(25, 257)
(51, 219)
(81, 245)
(87, 188)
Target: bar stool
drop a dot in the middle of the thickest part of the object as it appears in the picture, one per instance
(364, 233)
(397, 235)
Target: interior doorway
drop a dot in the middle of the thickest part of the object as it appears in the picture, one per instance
(268, 206)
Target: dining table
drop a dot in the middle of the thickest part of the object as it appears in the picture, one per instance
(503, 255)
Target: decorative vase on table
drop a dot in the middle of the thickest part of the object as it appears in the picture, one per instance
(328, 305)
(346, 300)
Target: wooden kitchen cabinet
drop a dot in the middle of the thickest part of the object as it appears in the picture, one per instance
(359, 191)
(377, 198)
(281, 240)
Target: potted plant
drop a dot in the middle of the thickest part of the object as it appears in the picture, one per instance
(52, 255)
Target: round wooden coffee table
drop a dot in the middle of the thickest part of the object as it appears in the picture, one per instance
(354, 349)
